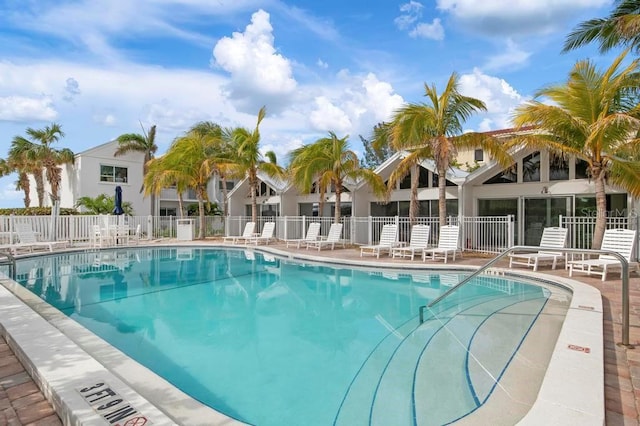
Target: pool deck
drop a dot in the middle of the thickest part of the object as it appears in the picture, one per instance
(21, 403)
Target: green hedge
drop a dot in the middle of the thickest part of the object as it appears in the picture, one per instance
(36, 211)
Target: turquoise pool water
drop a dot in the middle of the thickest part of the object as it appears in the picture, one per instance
(270, 341)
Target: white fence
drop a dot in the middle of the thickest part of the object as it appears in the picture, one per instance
(488, 234)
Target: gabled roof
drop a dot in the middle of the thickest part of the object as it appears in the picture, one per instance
(278, 185)
(97, 147)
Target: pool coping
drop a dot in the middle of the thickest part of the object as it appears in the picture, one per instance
(572, 391)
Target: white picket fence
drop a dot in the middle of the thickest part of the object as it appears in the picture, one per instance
(487, 234)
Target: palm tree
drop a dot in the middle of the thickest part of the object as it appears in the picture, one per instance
(434, 131)
(102, 204)
(144, 143)
(248, 160)
(620, 28)
(188, 162)
(44, 156)
(594, 117)
(161, 175)
(223, 155)
(23, 158)
(329, 161)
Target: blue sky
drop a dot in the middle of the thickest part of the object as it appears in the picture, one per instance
(101, 67)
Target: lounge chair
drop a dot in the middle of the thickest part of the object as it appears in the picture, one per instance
(552, 237)
(247, 234)
(417, 243)
(333, 238)
(100, 237)
(313, 232)
(266, 236)
(447, 244)
(388, 240)
(618, 240)
(27, 239)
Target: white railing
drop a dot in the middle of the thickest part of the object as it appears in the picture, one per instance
(580, 234)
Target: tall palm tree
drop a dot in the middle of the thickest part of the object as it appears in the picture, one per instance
(248, 159)
(41, 151)
(434, 130)
(595, 117)
(329, 161)
(620, 28)
(223, 155)
(144, 143)
(23, 158)
(188, 162)
(161, 174)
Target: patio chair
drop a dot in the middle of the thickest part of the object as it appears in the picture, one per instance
(618, 240)
(247, 234)
(447, 244)
(552, 237)
(100, 237)
(266, 236)
(388, 240)
(27, 238)
(417, 243)
(333, 238)
(313, 232)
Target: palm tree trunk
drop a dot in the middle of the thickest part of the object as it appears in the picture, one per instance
(225, 205)
(322, 194)
(23, 182)
(601, 212)
(180, 205)
(253, 183)
(201, 214)
(442, 196)
(152, 200)
(37, 176)
(336, 213)
(413, 201)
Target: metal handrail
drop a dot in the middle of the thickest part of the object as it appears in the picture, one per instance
(625, 280)
(11, 262)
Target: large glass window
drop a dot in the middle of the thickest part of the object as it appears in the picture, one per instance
(558, 167)
(389, 209)
(498, 207)
(531, 168)
(405, 183)
(582, 169)
(509, 175)
(113, 174)
(616, 205)
(423, 179)
(168, 211)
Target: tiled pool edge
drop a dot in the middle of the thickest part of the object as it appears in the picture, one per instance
(572, 391)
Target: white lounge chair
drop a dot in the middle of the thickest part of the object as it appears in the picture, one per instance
(100, 237)
(333, 238)
(417, 243)
(618, 240)
(266, 236)
(247, 234)
(552, 237)
(447, 244)
(313, 232)
(27, 238)
(388, 240)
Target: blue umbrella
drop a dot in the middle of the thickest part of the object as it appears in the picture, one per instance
(117, 210)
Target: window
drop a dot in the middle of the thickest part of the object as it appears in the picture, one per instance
(478, 155)
(582, 169)
(558, 167)
(406, 182)
(531, 168)
(509, 175)
(230, 185)
(113, 174)
(167, 211)
(423, 179)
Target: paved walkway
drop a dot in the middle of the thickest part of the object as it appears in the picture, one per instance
(21, 403)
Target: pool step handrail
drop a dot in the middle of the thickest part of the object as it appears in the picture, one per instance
(7, 259)
(623, 263)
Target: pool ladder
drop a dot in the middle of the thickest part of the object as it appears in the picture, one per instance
(625, 280)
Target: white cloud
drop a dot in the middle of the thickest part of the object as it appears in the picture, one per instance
(71, 89)
(433, 31)
(411, 12)
(105, 119)
(322, 64)
(512, 57)
(9, 197)
(499, 97)
(22, 108)
(259, 75)
(172, 116)
(409, 18)
(499, 17)
(329, 117)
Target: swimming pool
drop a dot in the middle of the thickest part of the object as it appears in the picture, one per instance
(273, 341)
